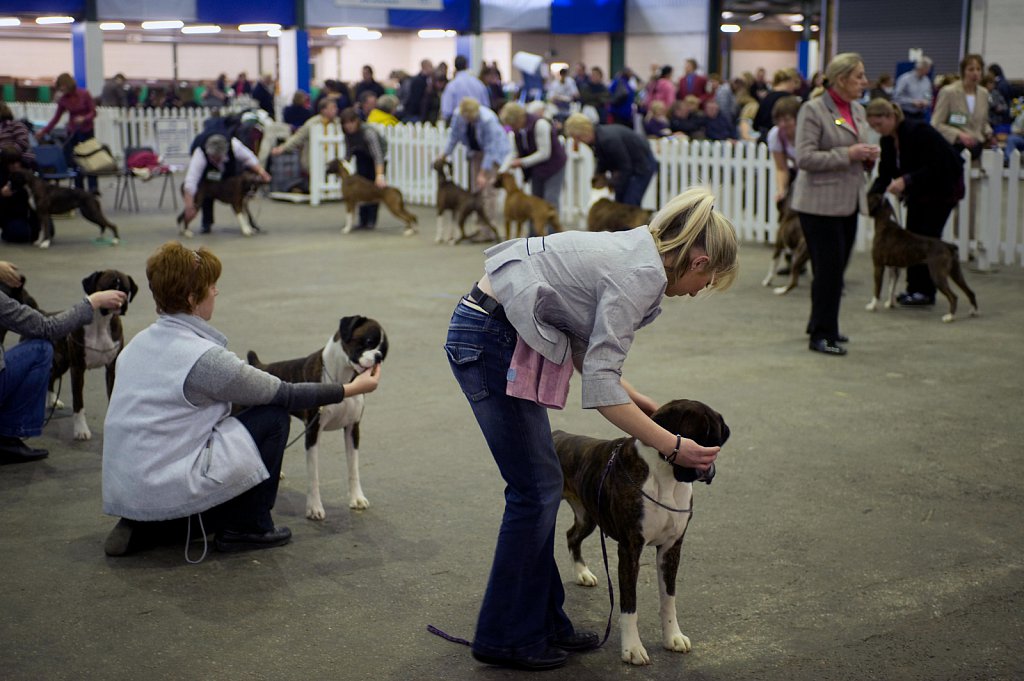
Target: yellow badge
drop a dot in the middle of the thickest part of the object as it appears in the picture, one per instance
(839, 121)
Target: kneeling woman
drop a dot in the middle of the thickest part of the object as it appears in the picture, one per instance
(171, 448)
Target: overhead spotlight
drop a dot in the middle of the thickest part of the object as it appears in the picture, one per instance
(366, 35)
(796, 18)
(345, 30)
(757, 16)
(796, 28)
(431, 33)
(815, 28)
(10, 21)
(257, 28)
(727, 15)
(201, 29)
(274, 33)
(730, 28)
(112, 26)
(161, 25)
(55, 20)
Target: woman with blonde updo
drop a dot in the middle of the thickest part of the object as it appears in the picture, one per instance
(171, 447)
(574, 297)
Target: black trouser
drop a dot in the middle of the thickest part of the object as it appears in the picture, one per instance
(368, 169)
(250, 510)
(927, 218)
(829, 243)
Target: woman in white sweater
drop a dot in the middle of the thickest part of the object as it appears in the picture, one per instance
(171, 447)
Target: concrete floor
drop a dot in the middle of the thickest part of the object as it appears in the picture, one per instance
(865, 522)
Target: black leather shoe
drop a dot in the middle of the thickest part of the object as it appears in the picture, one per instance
(13, 450)
(206, 229)
(914, 299)
(552, 658)
(231, 541)
(826, 346)
(842, 339)
(578, 642)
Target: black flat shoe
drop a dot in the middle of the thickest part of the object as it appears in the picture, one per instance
(230, 541)
(826, 346)
(552, 658)
(13, 450)
(578, 642)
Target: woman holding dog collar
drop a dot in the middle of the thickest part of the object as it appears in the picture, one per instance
(576, 296)
(832, 155)
(25, 367)
(921, 167)
(370, 151)
(171, 448)
(539, 153)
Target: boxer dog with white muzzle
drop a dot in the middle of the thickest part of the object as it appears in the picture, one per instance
(638, 498)
(92, 346)
(359, 344)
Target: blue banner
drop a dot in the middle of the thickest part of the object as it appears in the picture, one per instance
(588, 16)
(454, 16)
(42, 7)
(246, 12)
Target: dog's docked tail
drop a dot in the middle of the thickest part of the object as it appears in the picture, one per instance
(254, 360)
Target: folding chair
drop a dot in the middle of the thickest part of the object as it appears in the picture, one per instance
(52, 164)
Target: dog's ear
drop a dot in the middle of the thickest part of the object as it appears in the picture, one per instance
(724, 429)
(89, 283)
(383, 345)
(132, 289)
(348, 325)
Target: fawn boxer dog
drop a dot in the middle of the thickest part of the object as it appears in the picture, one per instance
(358, 345)
(895, 247)
(520, 207)
(605, 214)
(92, 346)
(50, 199)
(236, 191)
(356, 189)
(644, 500)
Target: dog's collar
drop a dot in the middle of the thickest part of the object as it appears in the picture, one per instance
(607, 470)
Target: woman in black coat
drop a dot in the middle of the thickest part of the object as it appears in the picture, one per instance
(918, 164)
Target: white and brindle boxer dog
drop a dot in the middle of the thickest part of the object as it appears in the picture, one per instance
(359, 344)
(92, 346)
(644, 500)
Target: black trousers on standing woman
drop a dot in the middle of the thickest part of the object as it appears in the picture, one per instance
(829, 243)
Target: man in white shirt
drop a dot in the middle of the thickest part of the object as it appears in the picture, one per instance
(215, 159)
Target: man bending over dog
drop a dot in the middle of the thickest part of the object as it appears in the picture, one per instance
(213, 161)
(171, 448)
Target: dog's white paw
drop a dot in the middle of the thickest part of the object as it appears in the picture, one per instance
(780, 290)
(975, 312)
(115, 241)
(359, 502)
(635, 654)
(584, 577)
(187, 233)
(45, 243)
(948, 317)
(346, 229)
(53, 401)
(873, 305)
(81, 428)
(246, 230)
(767, 281)
(409, 231)
(678, 643)
(315, 510)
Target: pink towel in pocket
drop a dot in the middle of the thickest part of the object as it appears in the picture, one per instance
(532, 377)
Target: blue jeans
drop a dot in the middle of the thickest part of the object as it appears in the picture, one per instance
(23, 384)
(522, 606)
(636, 187)
(1013, 142)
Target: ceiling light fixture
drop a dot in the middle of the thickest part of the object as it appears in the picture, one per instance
(257, 28)
(727, 15)
(757, 16)
(730, 28)
(112, 26)
(200, 30)
(796, 28)
(10, 21)
(161, 25)
(55, 20)
(346, 30)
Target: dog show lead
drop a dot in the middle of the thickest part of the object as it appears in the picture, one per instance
(25, 368)
(171, 448)
(579, 297)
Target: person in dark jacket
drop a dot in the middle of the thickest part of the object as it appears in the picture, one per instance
(263, 93)
(415, 104)
(620, 151)
(298, 112)
(919, 165)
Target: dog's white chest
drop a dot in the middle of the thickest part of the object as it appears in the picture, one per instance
(100, 348)
(662, 526)
(346, 413)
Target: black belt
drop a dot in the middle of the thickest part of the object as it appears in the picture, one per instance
(489, 304)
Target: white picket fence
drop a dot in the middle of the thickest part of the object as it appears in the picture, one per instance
(742, 176)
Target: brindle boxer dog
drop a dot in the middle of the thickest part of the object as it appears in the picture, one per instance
(628, 514)
(94, 345)
(358, 345)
